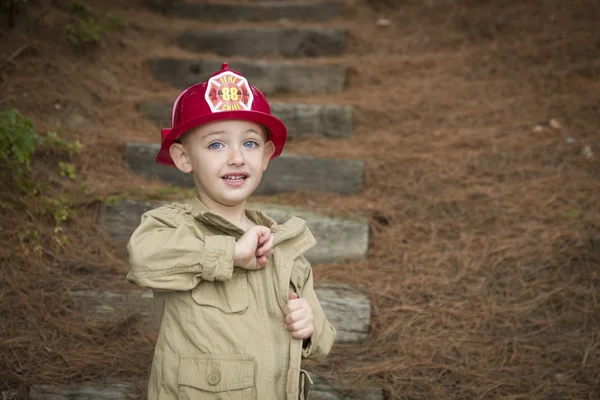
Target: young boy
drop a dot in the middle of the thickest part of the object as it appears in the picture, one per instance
(233, 292)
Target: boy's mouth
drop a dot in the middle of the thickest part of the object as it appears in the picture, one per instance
(235, 177)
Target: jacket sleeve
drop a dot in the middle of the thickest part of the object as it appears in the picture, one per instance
(319, 344)
(168, 251)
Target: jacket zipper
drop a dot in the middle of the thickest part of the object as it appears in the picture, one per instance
(273, 317)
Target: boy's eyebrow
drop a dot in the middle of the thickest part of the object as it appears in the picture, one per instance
(212, 134)
(263, 134)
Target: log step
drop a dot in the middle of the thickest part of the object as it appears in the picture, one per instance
(259, 11)
(83, 391)
(301, 120)
(348, 311)
(269, 77)
(287, 173)
(259, 42)
(322, 390)
(337, 238)
(326, 390)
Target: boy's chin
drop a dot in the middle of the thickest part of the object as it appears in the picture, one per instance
(230, 202)
(233, 203)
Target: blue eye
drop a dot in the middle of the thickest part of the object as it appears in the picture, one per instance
(250, 144)
(215, 146)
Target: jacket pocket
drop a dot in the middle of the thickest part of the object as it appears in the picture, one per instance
(230, 296)
(305, 385)
(216, 376)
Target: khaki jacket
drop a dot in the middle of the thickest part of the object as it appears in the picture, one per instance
(222, 331)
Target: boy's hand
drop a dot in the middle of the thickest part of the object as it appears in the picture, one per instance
(299, 317)
(254, 248)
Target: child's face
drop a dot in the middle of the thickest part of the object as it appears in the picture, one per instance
(227, 159)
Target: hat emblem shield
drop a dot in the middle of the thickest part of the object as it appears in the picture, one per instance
(228, 91)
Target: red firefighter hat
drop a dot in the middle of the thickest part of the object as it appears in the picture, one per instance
(225, 95)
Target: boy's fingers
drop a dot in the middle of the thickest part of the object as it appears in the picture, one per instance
(262, 261)
(265, 247)
(263, 233)
(296, 316)
(292, 296)
(290, 308)
(260, 252)
(293, 304)
(297, 325)
(268, 245)
(304, 333)
(262, 239)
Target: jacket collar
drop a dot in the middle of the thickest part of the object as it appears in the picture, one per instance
(294, 229)
(202, 213)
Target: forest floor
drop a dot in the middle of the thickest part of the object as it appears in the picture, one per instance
(479, 123)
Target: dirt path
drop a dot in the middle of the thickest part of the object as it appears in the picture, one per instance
(485, 246)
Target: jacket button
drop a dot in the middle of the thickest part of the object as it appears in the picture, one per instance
(214, 378)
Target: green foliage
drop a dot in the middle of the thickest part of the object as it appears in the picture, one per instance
(61, 208)
(29, 236)
(89, 26)
(572, 213)
(55, 142)
(18, 138)
(112, 201)
(67, 170)
(60, 237)
(36, 191)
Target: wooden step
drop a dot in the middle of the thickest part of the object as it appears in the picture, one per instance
(10, 394)
(322, 390)
(348, 310)
(259, 42)
(301, 120)
(83, 391)
(287, 173)
(326, 390)
(258, 11)
(337, 238)
(269, 77)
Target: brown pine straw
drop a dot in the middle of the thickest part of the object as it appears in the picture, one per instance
(485, 233)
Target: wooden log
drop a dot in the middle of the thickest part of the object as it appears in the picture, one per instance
(83, 391)
(301, 120)
(258, 11)
(287, 173)
(337, 238)
(269, 76)
(348, 310)
(260, 42)
(326, 390)
(10, 395)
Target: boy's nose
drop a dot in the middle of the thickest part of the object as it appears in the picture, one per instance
(236, 157)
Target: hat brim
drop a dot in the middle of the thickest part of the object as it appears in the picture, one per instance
(277, 130)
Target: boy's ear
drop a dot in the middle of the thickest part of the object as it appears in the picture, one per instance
(269, 150)
(180, 157)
